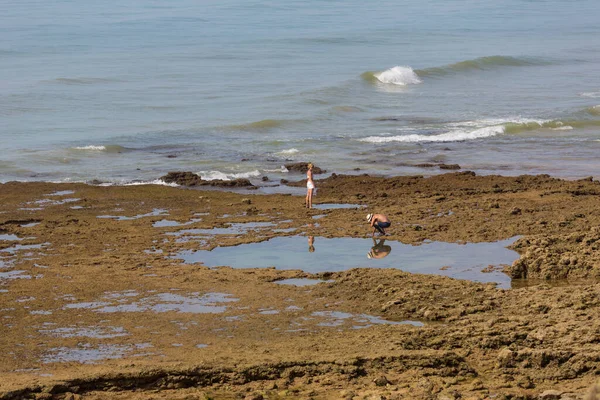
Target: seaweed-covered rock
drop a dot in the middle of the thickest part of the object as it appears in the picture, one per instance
(302, 167)
(182, 178)
(191, 179)
(241, 182)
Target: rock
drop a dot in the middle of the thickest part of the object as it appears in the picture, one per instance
(254, 396)
(550, 395)
(246, 201)
(302, 167)
(515, 211)
(242, 182)
(381, 381)
(449, 166)
(506, 358)
(182, 178)
(265, 178)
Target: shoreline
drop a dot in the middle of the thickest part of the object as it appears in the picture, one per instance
(114, 284)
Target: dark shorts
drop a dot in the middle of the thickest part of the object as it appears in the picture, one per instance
(380, 226)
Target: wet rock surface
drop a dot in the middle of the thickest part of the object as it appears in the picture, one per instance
(125, 320)
(302, 167)
(192, 179)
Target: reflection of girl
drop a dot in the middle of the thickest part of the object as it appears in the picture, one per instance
(310, 186)
(311, 240)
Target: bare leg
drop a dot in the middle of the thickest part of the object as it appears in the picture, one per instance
(309, 198)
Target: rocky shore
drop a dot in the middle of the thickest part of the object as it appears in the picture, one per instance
(96, 301)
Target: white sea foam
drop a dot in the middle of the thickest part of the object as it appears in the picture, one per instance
(213, 175)
(153, 182)
(91, 148)
(593, 95)
(452, 136)
(289, 151)
(563, 128)
(281, 169)
(399, 75)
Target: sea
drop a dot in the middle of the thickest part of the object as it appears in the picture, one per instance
(121, 93)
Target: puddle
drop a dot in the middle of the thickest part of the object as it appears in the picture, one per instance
(31, 224)
(332, 206)
(10, 237)
(14, 275)
(201, 346)
(337, 318)
(301, 281)
(155, 213)
(462, 261)
(95, 332)
(87, 354)
(165, 223)
(232, 229)
(210, 303)
(61, 193)
(285, 230)
(268, 312)
(319, 216)
(48, 202)
(19, 247)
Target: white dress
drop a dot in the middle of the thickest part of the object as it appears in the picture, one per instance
(309, 182)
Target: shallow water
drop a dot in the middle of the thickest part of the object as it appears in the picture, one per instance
(463, 261)
(163, 302)
(301, 281)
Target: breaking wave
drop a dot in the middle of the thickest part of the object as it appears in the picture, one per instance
(225, 176)
(289, 151)
(483, 129)
(453, 136)
(595, 110)
(398, 75)
(404, 75)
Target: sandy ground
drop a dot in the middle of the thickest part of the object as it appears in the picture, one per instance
(96, 303)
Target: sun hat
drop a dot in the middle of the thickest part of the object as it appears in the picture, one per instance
(369, 217)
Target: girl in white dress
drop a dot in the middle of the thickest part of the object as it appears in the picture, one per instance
(310, 186)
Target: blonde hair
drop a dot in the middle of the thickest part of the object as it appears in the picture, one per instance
(310, 165)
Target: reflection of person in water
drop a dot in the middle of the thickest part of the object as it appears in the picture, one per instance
(311, 240)
(379, 250)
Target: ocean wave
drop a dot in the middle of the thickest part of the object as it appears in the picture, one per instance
(399, 75)
(288, 151)
(281, 169)
(593, 95)
(112, 148)
(81, 81)
(471, 130)
(262, 125)
(481, 63)
(518, 127)
(225, 176)
(458, 135)
(595, 110)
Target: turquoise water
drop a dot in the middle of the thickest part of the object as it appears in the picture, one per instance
(127, 92)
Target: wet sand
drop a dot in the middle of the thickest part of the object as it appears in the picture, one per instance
(96, 301)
